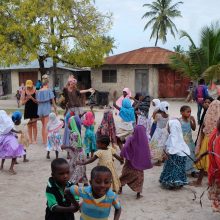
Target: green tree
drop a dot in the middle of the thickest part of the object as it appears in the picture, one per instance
(161, 13)
(202, 61)
(70, 31)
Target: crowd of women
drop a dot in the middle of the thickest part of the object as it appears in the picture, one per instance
(143, 140)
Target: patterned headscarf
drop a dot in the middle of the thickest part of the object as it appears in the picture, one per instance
(75, 129)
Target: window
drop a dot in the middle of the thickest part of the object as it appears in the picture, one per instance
(109, 76)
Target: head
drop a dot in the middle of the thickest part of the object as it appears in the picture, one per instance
(138, 96)
(103, 141)
(29, 84)
(207, 102)
(60, 171)
(185, 111)
(72, 82)
(218, 125)
(155, 102)
(101, 180)
(201, 82)
(126, 92)
(45, 80)
(17, 91)
(218, 98)
(164, 107)
(16, 117)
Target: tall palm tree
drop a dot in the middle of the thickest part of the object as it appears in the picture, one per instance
(202, 61)
(161, 14)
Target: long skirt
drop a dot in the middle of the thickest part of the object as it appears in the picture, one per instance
(9, 147)
(132, 177)
(204, 162)
(173, 174)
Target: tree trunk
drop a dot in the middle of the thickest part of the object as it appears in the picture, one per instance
(54, 73)
(41, 65)
(157, 37)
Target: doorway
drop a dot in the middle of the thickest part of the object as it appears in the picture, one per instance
(141, 81)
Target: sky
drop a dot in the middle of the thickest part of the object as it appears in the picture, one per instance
(128, 25)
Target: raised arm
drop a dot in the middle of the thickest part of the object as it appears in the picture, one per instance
(91, 90)
(89, 161)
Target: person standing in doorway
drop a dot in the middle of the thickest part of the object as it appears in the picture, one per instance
(200, 95)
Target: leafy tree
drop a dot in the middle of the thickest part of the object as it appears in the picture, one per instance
(70, 31)
(161, 13)
(202, 61)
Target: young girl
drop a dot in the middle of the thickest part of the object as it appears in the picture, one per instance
(107, 126)
(188, 124)
(125, 127)
(97, 198)
(9, 146)
(137, 154)
(89, 139)
(76, 152)
(22, 138)
(54, 140)
(105, 155)
(173, 175)
(160, 136)
(156, 106)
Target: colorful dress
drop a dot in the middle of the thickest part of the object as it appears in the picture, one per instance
(106, 159)
(90, 139)
(187, 136)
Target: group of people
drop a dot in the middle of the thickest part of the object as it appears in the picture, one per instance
(144, 140)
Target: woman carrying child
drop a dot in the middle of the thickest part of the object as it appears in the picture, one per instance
(105, 154)
(157, 143)
(9, 146)
(173, 175)
(89, 139)
(188, 124)
(76, 152)
(54, 139)
(137, 154)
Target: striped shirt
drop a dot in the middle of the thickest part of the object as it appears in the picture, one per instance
(92, 209)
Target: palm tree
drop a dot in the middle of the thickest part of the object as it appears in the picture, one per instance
(161, 13)
(202, 61)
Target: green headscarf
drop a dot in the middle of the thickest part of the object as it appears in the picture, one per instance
(75, 129)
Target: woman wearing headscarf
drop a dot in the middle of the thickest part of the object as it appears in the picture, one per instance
(173, 175)
(137, 154)
(160, 136)
(29, 100)
(9, 146)
(73, 97)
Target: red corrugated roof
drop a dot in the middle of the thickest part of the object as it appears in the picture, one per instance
(145, 55)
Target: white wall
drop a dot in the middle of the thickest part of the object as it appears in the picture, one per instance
(14, 81)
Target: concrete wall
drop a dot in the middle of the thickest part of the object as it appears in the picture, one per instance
(14, 81)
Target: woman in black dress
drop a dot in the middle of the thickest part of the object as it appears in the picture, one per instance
(30, 111)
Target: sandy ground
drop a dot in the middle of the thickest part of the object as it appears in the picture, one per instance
(22, 196)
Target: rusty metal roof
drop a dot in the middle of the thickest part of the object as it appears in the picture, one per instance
(145, 55)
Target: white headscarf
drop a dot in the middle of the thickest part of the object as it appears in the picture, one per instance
(164, 107)
(6, 123)
(54, 123)
(175, 143)
(157, 104)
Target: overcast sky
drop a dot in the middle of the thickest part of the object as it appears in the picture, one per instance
(128, 26)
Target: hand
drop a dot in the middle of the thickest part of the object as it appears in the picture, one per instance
(91, 90)
(165, 156)
(192, 118)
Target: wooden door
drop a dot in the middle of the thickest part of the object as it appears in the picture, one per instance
(141, 81)
(23, 76)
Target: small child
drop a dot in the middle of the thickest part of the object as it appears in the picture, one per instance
(22, 138)
(76, 152)
(173, 175)
(97, 198)
(89, 139)
(160, 136)
(59, 206)
(9, 146)
(54, 140)
(105, 155)
(18, 97)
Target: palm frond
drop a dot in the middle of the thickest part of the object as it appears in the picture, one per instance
(185, 34)
(212, 73)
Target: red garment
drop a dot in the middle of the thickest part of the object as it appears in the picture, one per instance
(214, 165)
(89, 119)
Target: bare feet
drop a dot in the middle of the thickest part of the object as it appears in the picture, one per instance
(25, 160)
(12, 172)
(139, 196)
(195, 183)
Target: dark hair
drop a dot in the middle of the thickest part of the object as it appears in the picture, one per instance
(209, 98)
(201, 82)
(218, 98)
(184, 108)
(57, 162)
(104, 139)
(99, 169)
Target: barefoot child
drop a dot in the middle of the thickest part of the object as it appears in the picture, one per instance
(22, 138)
(9, 146)
(173, 175)
(89, 139)
(76, 152)
(59, 206)
(97, 198)
(105, 155)
(137, 154)
(188, 124)
(54, 139)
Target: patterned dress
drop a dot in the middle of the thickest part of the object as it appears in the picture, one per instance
(187, 135)
(54, 140)
(90, 139)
